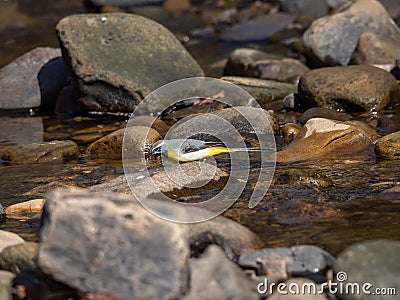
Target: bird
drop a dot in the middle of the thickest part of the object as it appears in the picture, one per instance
(186, 150)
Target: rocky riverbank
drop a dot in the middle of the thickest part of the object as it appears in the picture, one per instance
(331, 98)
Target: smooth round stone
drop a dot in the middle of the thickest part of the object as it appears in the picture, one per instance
(389, 146)
(8, 239)
(352, 88)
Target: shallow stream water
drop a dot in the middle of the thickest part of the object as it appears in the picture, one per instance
(348, 210)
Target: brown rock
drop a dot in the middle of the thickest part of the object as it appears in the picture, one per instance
(31, 206)
(389, 146)
(327, 138)
(139, 139)
(374, 49)
(148, 121)
(352, 88)
(40, 152)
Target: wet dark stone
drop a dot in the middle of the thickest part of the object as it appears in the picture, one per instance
(352, 88)
(376, 262)
(257, 29)
(322, 112)
(30, 77)
(120, 58)
(213, 276)
(388, 124)
(304, 260)
(331, 40)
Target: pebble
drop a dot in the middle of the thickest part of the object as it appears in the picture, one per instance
(331, 40)
(350, 88)
(389, 146)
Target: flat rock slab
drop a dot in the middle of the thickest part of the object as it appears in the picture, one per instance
(20, 80)
(40, 152)
(117, 247)
(264, 91)
(121, 58)
(324, 138)
(353, 88)
(331, 40)
(375, 262)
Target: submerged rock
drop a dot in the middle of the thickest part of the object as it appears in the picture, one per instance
(331, 40)
(264, 91)
(389, 146)
(119, 248)
(21, 131)
(329, 139)
(140, 140)
(33, 79)
(40, 152)
(120, 58)
(352, 88)
(376, 263)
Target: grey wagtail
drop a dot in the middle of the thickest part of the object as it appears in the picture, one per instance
(185, 150)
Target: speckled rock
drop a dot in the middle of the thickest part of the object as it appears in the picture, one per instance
(140, 140)
(327, 138)
(16, 258)
(213, 276)
(40, 152)
(150, 250)
(389, 146)
(352, 88)
(32, 79)
(331, 40)
(121, 58)
(374, 49)
(375, 262)
(8, 239)
(264, 91)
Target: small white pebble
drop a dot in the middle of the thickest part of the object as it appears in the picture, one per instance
(103, 19)
(140, 177)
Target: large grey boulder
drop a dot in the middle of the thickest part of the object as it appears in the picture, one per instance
(121, 58)
(331, 40)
